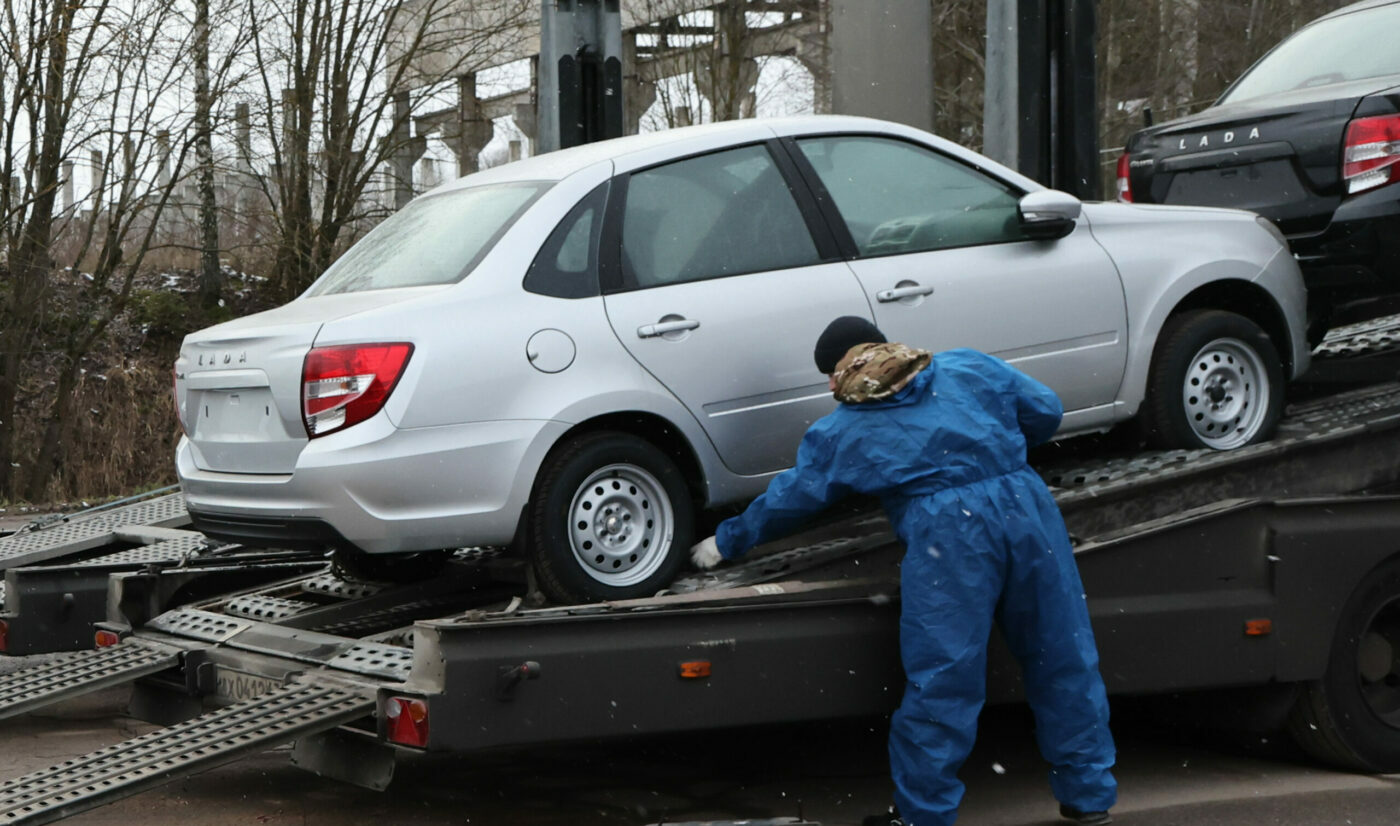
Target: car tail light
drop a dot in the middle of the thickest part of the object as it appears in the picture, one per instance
(1372, 154)
(1125, 186)
(343, 385)
(175, 397)
(406, 721)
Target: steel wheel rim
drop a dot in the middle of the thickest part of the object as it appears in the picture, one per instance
(1378, 666)
(620, 525)
(1225, 393)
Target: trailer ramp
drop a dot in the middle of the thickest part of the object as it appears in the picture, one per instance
(281, 715)
(41, 685)
(75, 534)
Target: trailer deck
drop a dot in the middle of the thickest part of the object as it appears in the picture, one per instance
(1208, 545)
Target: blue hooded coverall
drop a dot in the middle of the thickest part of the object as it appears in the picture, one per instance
(984, 539)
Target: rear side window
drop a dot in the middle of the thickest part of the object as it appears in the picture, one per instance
(567, 266)
(715, 215)
(1354, 46)
(897, 197)
(437, 239)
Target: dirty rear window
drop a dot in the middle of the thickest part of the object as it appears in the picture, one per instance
(1353, 46)
(438, 239)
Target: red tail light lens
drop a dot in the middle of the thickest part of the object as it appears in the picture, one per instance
(4, 636)
(344, 385)
(406, 721)
(1372, 155)
(105, 639)
(1125, 186)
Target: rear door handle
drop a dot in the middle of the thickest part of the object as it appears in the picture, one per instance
(661, 328)
(897, 293)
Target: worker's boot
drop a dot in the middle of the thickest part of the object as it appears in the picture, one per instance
(1085, 818)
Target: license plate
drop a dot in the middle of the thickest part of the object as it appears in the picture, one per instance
(233, 686)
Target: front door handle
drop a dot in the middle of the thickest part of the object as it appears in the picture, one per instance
(910, 291)
(661, 328)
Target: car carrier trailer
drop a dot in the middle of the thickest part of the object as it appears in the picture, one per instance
(1274, 568)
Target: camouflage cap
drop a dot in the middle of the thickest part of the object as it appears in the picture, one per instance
(870, 372)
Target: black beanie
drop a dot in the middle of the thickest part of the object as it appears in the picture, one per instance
(840, 336)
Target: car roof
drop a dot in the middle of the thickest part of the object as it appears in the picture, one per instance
(1355, 7)
(555, 166)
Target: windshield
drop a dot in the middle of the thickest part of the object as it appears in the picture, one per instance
(1353, 46)
(433, 240)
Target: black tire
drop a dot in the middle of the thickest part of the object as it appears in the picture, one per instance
(1351, 717)
(349, 563)
(1216, 381)
(610, 518)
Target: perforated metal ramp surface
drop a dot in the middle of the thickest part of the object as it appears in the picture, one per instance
(120, 771)
(85, 532)
(30, 688)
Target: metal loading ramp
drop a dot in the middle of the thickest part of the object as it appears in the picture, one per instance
(83, 532)
(107, 775)
(38, 686)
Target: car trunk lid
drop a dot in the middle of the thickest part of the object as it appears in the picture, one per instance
(238, 384)
(1279, 156)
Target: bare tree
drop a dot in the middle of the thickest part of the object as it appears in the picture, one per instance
(339, 86)
(118, 91)
(210, 276)
(81, 75)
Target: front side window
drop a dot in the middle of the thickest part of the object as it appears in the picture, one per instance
(438, 239)
(897, 197)
(715, 215)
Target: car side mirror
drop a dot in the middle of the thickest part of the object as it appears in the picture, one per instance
(1049, 214)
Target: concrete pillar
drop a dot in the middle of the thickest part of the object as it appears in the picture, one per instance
(99, 181)
(67, 185)
(427, 173)
(637, 94)
(514, 153)
(472, 131)
(243, 137)
(864, 36)
(163, 158)
(405, 150)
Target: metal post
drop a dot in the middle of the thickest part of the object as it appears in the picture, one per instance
(580, 73)
(1040, 112)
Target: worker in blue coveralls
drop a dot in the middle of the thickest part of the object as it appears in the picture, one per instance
(942, 440)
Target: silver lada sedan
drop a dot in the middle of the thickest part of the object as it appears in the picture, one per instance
(578, 352)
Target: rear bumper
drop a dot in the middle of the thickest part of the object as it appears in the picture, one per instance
(1358, 255)
(381, 490)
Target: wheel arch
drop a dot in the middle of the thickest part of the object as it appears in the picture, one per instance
(1246, 299)
(654, 428)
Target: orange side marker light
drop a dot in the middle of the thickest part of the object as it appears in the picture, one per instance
(695, 670)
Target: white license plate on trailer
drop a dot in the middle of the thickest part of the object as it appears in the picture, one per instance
(234, 686)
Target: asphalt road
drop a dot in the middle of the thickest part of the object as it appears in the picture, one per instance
(830, 773)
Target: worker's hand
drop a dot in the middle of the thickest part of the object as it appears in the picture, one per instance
(705, 554)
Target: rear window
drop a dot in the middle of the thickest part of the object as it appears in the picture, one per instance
(434, 240)
(1353, 46)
